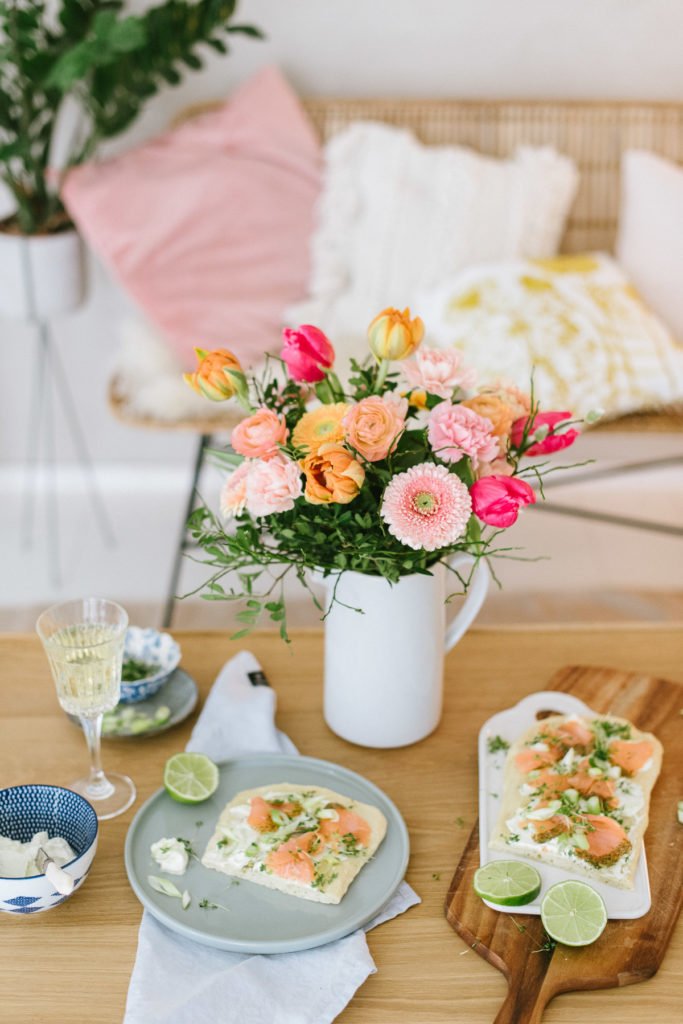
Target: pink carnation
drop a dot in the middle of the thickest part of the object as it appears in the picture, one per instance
(427, 507)
(272, 486)
(234, 494)
(455, 430)
(439, 371)
(374, 425)
(258, 436)
(496, 500)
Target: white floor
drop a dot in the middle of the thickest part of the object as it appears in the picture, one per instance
(584, 569)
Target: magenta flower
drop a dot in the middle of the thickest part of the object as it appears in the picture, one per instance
(306, 351)
(455, 431)
(427, 507)
(496, 500)
(552, 442)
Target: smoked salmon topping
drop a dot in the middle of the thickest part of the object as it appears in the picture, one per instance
(607, 841)
(589, 785)
(574, 734)
(261, 812)
(347, 824)
(528, 760)
(292, 860)
(630, 755)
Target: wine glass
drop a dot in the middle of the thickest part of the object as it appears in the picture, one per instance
(83, 640)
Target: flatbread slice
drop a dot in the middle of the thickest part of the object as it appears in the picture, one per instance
(577, 795)
(306, 841)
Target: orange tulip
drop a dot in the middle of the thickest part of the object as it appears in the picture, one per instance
(218, 376)
(332, 475)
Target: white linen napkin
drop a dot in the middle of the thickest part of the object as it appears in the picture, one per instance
(177, 981)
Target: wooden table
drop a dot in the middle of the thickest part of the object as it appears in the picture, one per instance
(73, 964)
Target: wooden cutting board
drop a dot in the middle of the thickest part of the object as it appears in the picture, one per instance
(627, 951)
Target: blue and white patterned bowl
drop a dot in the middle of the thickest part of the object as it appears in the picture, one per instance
(154, 648)
(25, 810)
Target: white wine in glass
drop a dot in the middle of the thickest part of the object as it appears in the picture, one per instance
(84, 641)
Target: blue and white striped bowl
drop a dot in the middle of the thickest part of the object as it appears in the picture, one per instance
(25, 810)
(153, 648)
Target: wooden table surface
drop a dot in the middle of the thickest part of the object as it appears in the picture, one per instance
(73, 964)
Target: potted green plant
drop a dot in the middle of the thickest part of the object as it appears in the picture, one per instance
(105, 64)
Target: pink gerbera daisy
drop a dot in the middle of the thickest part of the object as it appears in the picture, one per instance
(426, 508)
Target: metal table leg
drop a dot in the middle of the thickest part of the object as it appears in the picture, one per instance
(204, 443)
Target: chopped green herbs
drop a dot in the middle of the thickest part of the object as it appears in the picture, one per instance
(133, 670)
(497, 744)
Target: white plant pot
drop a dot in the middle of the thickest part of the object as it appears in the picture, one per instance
(41, 275)
(384, 667)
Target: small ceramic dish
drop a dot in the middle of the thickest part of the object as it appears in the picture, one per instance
(25, 810)
(153, 648)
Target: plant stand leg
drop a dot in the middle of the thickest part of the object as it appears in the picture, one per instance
(51, 500)
(35, 426)
(204, 442)
(78, 438)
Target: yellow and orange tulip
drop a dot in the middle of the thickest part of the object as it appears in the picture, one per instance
(218, 376)
(393, 335)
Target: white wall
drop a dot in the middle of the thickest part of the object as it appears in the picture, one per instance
(475, 48)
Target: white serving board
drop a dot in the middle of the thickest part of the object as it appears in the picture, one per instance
(510, 724)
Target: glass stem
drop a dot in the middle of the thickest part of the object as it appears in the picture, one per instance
(99, 785)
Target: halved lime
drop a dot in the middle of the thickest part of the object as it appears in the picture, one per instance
(190, 778)
(573, 914)
(509, 883)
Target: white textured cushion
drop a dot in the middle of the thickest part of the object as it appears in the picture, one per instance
(650, 243)
(397, 216)
(575, 321)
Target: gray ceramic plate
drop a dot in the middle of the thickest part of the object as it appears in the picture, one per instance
(179, 693)
(259, 920)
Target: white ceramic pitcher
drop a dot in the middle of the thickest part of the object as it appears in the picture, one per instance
(384, 667)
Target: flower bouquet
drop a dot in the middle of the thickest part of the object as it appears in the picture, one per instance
(384, 486)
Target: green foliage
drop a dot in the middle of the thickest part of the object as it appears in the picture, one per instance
(108, 61)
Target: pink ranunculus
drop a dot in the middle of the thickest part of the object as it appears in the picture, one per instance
(439, 372)
(374, 425)
(258, 436)
(496, 500)
(455, 431)
(234, 493)
(272, 486)
(552, 442)
(306, 351)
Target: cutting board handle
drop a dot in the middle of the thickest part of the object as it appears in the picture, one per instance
(521, 1006)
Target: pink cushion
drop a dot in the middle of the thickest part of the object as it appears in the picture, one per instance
(208, 225)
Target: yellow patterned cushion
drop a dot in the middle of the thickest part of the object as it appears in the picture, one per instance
(575, 321)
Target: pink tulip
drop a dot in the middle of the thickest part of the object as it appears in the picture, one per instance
(305, 351)
(552, 442)
(496, 500)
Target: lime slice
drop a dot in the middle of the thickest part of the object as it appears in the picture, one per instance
(190, 778)
(573, 914)
(509, 883)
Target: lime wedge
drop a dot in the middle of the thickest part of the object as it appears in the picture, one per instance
(573, 914)
(509, 883)
(190, 778)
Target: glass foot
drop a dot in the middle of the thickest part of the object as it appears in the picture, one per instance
(113, 795)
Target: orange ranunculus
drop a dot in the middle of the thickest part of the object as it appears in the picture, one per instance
(218, 376)
(502, 405)
(332, 475)
(320, 426)
(393, 335)
(374, 425)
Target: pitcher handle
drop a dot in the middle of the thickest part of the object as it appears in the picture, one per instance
(476, 593)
